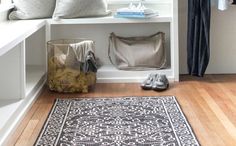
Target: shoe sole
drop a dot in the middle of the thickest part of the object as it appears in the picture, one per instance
(146, 88)
(161, 89)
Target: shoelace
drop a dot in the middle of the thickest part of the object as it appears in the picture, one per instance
(159, 78)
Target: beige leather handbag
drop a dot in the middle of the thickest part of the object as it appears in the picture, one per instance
(138, 53)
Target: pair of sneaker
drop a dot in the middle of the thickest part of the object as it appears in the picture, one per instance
(157, 82)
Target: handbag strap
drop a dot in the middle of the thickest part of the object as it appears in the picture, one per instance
(156, 34)
(109, 49)
(147, 37)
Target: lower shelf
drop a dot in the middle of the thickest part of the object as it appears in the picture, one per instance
(110, 74)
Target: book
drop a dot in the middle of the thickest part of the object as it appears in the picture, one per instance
(133, 11)
(135, 15)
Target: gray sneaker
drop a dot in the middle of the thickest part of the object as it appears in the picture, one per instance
(160, 83)
(147, 84)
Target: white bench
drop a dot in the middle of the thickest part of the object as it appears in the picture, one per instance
(21, 77)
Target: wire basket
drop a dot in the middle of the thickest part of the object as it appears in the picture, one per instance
(65, 66)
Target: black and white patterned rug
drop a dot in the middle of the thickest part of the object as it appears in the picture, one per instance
(123, 121)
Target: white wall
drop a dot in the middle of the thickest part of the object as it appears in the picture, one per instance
(223, 40)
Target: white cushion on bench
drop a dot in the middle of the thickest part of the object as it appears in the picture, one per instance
(80, 8)
(32, 9)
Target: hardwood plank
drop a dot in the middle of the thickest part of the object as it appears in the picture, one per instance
(41, 121)
(211, 116)
(203, 117)
(209, 104)
(37, 119)
(204, 134)
(22, 126)
(27, 133)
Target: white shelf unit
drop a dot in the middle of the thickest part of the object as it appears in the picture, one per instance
(23, 69)
(22, 51)
(110, 20)
(98, 29)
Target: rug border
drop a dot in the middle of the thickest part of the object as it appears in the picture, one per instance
(115, 97)
(46, 121)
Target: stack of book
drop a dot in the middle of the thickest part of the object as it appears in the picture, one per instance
(139, 11)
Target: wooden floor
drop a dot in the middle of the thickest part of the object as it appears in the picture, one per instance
(209, 104)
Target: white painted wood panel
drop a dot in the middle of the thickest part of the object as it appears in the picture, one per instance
(36, 48)
(11, 74)
(108, 73)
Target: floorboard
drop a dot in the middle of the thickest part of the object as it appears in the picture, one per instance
(209, 104)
